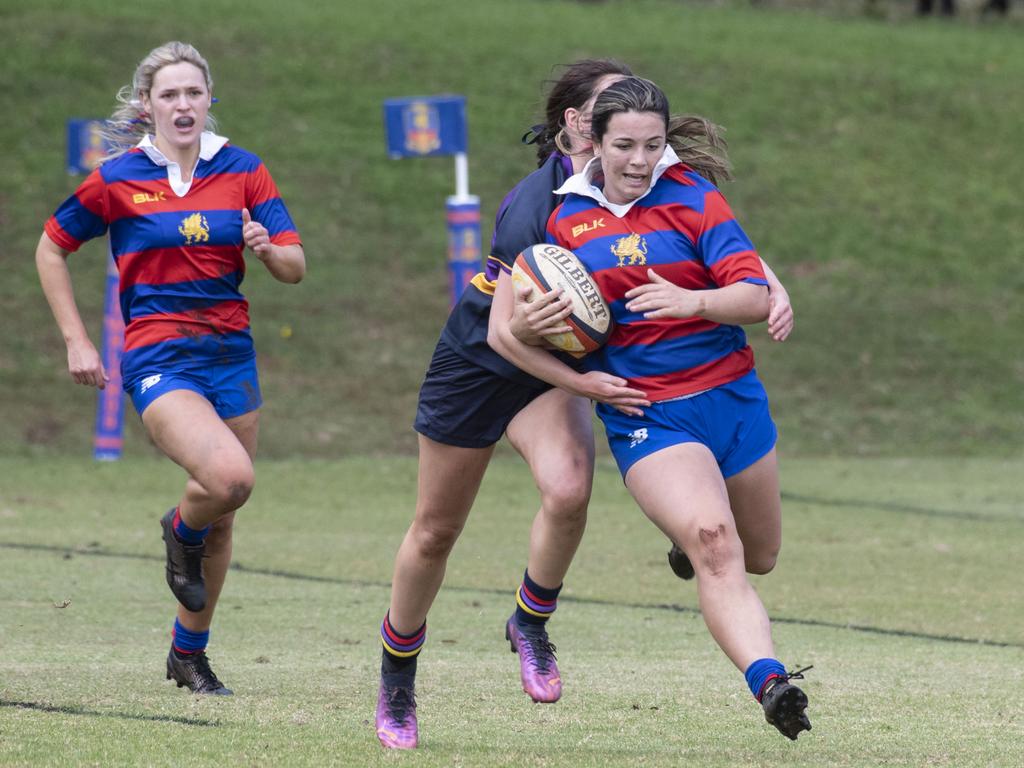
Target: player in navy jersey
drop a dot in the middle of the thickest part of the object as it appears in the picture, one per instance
(681, 277)
(471, 396)
(181, 204)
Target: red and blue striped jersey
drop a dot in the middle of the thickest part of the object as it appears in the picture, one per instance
(180, 258)
(684, 230)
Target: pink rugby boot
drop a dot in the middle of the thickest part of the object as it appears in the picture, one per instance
(537, 666)
(396, 712)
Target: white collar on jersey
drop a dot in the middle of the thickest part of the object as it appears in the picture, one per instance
(209, 145)
(582, 183)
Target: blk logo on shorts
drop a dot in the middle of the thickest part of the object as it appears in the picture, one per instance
(637, 436)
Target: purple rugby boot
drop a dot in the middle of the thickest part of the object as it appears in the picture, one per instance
(396, 712)
(537, 667)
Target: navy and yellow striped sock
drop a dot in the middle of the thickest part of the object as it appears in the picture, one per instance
(400, 651)
(534, 603)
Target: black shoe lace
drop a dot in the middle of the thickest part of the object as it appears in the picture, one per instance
(542, 650)
(202, 673)
(400, 702)
(774, 681)
(798, 675)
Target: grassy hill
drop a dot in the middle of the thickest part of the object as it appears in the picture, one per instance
(877, 162)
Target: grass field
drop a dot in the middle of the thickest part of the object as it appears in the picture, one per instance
(878, 170)
(899, 581)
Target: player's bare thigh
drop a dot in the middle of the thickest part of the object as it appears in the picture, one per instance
(184, 425)
(247, 429)
(448, 481)
(681, 490)
(757, 509)
(555, 435)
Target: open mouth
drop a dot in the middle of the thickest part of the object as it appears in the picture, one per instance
(184, 123)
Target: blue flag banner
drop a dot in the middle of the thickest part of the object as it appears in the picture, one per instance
(108, 439)
(86, 146)
(426, 126)
(463, 214)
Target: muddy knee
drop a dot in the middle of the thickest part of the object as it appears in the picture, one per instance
(719, 550)
(231, 489)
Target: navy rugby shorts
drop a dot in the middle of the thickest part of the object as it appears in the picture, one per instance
(466, 405)
(732, 420)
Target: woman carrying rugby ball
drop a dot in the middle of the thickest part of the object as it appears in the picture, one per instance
(471, 396)
(700, 458)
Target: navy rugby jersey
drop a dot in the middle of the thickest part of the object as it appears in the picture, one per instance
(179, 254)
(520, 223)
(684, 229)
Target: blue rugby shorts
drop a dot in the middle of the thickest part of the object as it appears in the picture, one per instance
(732, 420)
(233, 388)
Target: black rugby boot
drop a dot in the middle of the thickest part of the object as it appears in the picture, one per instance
(680, 563)
(184, 567)
(193, 671)
(784, 704)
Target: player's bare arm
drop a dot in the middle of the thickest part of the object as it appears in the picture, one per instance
(286, 263)
(780, 310)
(84, 363)
(736, 304)
(532, 320)
(594, 385)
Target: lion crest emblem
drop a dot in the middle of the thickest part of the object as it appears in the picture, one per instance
(630, 250)
(195, 229)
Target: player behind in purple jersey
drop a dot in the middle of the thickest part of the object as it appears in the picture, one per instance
(181, 204)
(681, 277)
(471, 396)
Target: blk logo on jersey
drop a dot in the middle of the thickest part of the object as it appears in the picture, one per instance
(579, 229)
(630, 250)
(195, 229)
(145, 197)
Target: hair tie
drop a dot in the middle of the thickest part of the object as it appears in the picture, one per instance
(214, 100)
(533, 135)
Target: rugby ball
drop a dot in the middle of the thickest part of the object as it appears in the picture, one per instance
(543, 268)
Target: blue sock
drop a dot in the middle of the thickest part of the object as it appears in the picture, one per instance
(188, 535)
(186, 641)
(534, 603)
(760, 672)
